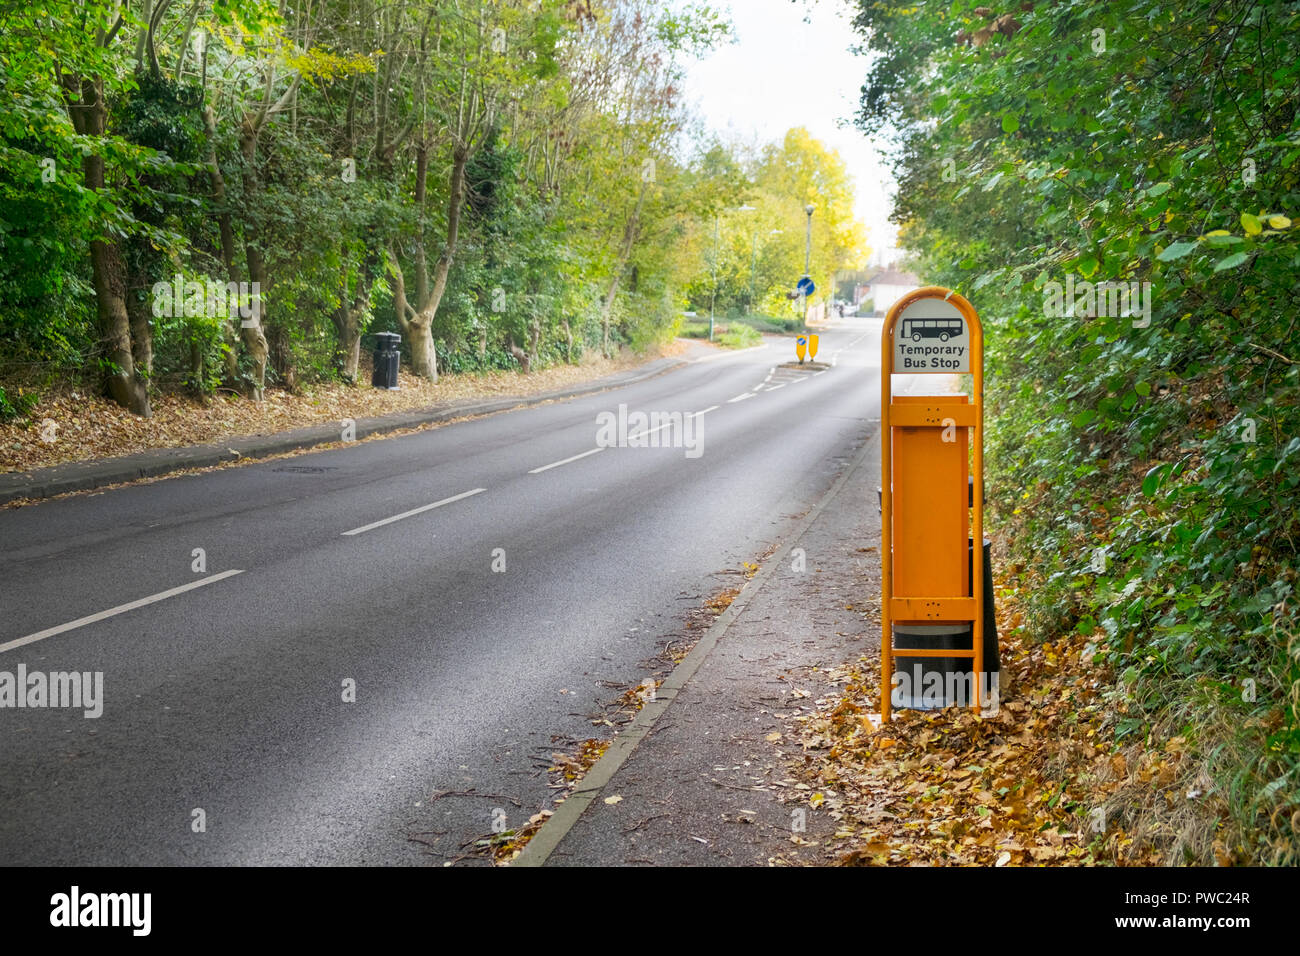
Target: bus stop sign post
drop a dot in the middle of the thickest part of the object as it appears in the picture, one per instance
(932, 498)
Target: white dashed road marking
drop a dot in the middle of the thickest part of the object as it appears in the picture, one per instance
(114, 611)
(420, 510)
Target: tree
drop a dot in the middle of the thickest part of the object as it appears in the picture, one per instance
(1112, 184)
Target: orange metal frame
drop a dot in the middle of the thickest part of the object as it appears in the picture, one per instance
(932, 467)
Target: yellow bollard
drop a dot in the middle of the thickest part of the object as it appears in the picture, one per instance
(812, 347)
(800, 347)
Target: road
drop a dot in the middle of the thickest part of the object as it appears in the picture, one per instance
(228, 698)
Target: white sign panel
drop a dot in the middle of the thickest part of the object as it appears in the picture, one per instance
(931, 336)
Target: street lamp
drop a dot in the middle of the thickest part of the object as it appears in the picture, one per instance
(807, 257)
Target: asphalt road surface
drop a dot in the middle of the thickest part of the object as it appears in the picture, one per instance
(225, 737)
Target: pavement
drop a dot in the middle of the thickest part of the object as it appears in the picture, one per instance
(367, 654)
(88, 475)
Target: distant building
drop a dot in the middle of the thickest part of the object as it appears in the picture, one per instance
(862, 289)
(886, 287)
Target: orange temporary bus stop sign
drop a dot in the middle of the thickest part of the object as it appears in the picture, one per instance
(929, 509)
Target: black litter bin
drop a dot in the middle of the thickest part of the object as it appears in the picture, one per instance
(387, 359)
(929, 683)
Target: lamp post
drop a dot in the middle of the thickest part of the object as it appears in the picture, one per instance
(807, 257)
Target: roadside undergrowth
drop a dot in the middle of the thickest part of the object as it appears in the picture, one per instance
(1055, 777)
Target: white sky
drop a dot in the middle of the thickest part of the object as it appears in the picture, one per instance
(783, 72)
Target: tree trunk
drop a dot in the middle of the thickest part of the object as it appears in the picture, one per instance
(535, 345)
(252, 329)
(624, 254)
(347, 317)
(522, 357)
(89, 114)
(138, 310)
(230, 332)
(258, 351)
(351, 348)
(414, 325)
(196, 366)
(459, 159)
(424, 356)
(230, 354)
(417, 323)
(281, 348)
(114, 323)
(605, 311)
(347, 323)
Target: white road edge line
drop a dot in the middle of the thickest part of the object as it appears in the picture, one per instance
(740, 398)
(727, 353)
(564, 461)
(113, 611)
(711, 408)
(413, 511)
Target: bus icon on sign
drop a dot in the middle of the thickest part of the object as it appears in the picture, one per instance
(941, 329)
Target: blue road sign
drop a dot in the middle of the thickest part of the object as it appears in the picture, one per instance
(806, 286)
